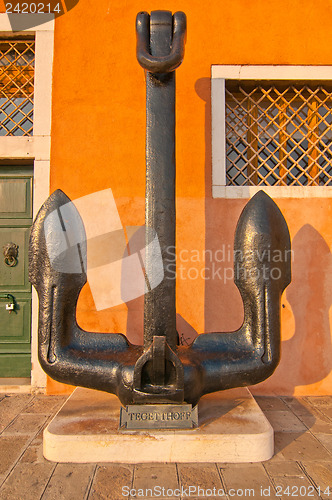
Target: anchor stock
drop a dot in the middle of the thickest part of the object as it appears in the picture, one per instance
(161, 371)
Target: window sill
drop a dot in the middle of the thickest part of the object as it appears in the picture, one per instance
(235, 192)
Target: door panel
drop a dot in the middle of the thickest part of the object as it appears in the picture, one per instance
(17, 277)
(15, 324)
(15, 221)
(16, 198)
(15, 365)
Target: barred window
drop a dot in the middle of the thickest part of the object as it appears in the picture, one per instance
(278, 134)
(17, 60)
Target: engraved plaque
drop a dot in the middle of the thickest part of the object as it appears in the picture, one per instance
(160, 416)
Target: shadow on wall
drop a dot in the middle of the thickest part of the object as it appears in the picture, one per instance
(306, 357)
(223, 308)
(310, 297)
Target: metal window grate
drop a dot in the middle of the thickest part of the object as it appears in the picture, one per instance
(17, 60)
(278, 135)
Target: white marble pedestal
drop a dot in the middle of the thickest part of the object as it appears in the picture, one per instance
(232, 428)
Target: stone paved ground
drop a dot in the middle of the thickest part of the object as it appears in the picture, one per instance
(301, 467)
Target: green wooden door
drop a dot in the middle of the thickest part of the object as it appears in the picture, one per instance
(15, 221)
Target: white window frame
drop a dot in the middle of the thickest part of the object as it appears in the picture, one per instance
(36, 147)
(219, 75)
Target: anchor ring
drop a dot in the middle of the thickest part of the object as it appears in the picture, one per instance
(161, 64)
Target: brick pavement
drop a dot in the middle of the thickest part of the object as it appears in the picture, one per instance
(300, 468)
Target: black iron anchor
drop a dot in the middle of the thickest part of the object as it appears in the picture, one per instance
(160, 50)
(161, 371)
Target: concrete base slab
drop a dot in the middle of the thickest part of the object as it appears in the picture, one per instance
(232, 428)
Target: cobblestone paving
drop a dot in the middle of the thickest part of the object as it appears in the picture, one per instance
(300, 468)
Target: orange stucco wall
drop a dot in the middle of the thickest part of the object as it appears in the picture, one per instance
(98, 141)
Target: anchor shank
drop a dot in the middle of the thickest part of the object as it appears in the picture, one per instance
(159, 306)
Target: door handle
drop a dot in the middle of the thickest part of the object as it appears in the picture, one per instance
(10, 306)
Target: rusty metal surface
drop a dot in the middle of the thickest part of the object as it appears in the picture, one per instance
(161, 371)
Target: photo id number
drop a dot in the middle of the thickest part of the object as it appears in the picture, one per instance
(32, 8)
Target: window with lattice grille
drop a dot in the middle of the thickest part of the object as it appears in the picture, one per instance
(17, 60)
(278, 134)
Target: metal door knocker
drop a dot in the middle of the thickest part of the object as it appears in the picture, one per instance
(10, 252)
